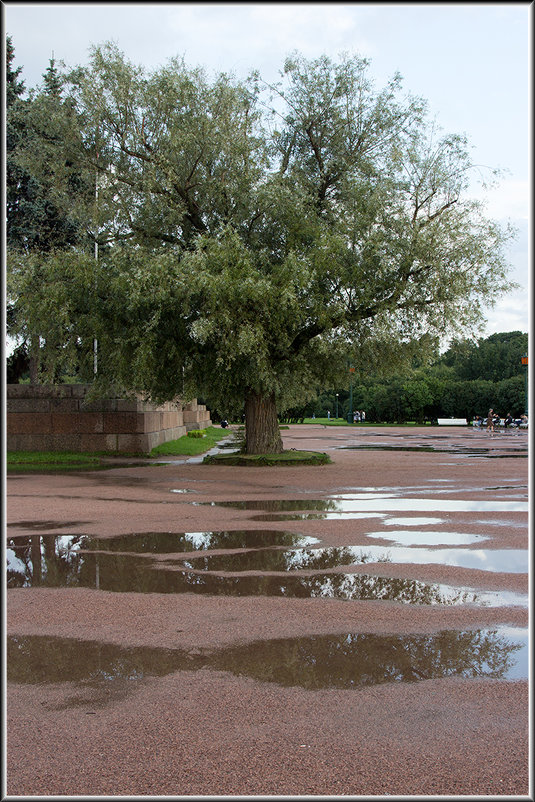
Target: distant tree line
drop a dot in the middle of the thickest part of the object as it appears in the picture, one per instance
(467, 380)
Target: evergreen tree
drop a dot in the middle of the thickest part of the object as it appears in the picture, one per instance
(18, 181)
(43, 191)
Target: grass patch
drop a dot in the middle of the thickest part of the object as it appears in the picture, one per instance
(191, 446)
(50, 460)
(284, 458)
(43, 461)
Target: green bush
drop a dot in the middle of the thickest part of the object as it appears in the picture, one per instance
(196, 433)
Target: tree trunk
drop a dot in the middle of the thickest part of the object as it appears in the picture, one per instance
(262, 435)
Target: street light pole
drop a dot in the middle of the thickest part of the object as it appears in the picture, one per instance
(336, 406)
(95, 341)
(525, 363)
(350, 413)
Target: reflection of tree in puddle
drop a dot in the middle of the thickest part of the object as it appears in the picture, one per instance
(38, 659)
(43, 560)
(137, 574)
(342, 661)
(53, 560)
(270, 559)
(274, 505)
(173, 542)
(59, 562)
(365, 659)
(104, 671)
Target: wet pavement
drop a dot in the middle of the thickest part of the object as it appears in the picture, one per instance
(417, 534)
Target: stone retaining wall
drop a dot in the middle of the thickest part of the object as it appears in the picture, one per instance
(59, 418)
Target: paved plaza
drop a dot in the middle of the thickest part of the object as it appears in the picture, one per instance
(351, 629)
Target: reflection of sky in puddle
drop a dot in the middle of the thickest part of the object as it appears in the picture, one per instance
(349, 503)
(498, 522)
(428, 538)
(355, 502)
(102, 673)
(505, 560)
(350, 508)
(413, 521)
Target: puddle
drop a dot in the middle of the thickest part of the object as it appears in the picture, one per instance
(63, 560)
(504, 560)
(103, 673)
(428, 538)
(272, 505)
(352, 501)
(507, 487)
(221, 448)
(58, 560)
(351, 506)
(100, 672)
(496, 560)
(133, 573)
(440, 486)
(365, 502)
(281, 560)
(457, 451)
(497, 522)
(356, 660)
(413, 521)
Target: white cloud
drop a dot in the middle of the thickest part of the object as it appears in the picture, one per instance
(510, 200)
(511, 313)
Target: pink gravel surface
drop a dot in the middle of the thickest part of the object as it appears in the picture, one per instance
(205, 730)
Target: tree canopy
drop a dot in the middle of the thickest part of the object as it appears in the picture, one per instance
(253, 240)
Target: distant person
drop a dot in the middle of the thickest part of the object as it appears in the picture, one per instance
(224, 423)
(477, 422)
(356, 417)
(490, 421)
(508, 420)
(362, 416)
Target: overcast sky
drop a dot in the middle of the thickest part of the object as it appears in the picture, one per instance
(472, 63)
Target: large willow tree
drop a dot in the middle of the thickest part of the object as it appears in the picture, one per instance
(254, 240)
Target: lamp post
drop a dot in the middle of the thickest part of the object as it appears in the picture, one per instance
(350, 413)
(95, 341)
(525, 363)
(336, 406)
